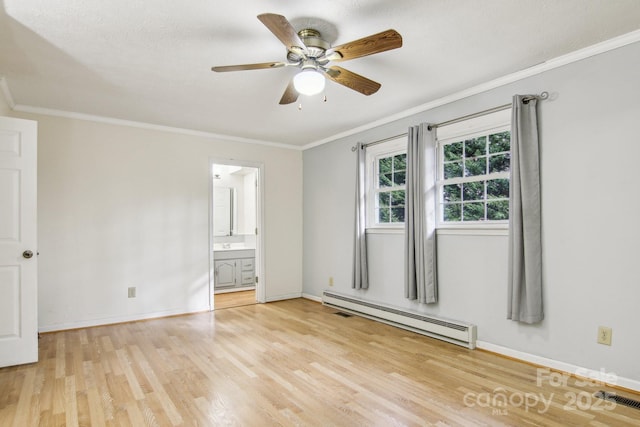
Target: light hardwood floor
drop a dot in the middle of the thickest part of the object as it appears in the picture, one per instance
(291, 362)
(234, 299)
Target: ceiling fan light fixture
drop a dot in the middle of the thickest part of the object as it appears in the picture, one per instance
(309, 82)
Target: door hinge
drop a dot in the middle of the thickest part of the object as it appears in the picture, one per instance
(256, 279)
(256, 231)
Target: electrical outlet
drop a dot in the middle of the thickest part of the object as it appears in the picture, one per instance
(131, 292)
(604, 335)
(330, 281)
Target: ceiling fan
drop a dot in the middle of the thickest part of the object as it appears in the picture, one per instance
(308, 51)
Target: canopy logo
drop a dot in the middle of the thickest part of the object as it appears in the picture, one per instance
(500, 399)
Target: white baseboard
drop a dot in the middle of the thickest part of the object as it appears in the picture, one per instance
(117, 319)
(312, 297)
(600, 376)
(283, 297)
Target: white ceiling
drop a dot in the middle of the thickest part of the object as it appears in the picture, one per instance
(150, 61)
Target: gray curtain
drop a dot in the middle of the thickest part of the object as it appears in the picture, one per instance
(360, 275)
(420, 281)
(525, 248)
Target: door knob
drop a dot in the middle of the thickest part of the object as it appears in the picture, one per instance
(27, 254)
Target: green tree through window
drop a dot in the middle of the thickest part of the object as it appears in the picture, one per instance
(391, 178)
(474, 174)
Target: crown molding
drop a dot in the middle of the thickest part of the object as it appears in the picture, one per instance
(4, 88)
(147, 126)
(596, 49)
(575, 56)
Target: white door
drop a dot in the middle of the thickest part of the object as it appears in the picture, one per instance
(18, 242)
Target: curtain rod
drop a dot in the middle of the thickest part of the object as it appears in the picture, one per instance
(543, 95)
(369, 144)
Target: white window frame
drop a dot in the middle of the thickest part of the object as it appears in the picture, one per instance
(374, 152)
(496, 122)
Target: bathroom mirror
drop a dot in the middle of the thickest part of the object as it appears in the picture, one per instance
(224, 211)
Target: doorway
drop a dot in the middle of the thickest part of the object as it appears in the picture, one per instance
(236, 261)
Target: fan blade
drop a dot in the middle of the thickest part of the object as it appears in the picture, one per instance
(290, 95)
(352, 80)
(283, 30)
(260, 66)
(375, 43)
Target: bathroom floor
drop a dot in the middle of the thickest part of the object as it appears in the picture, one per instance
(234, 299)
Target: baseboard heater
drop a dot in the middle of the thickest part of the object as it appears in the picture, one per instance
(447, 330)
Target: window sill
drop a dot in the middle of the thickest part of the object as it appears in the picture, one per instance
(452, 231)
(385, 230)
(473, 231)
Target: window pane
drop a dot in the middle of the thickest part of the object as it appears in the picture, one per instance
(386, 175)
(474, 167)
(500, 142)
(384, 165)
(384, 216)
(498, 189)
(384, 180)
(452, 192)
(383, 199)
(397, 198)
(498, 210)
(475, 147)
(399, 178)
(473, 211)
(397, 214)
(452, 212)
(453, 151)
(499, 163)
(400, 162)
(452, 170)
(473, 191)
(474, 171)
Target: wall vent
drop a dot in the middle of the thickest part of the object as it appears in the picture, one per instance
(612, 397)
(447, 330)
(342, 314)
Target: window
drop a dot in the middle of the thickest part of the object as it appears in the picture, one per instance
(386, 177)
(473, 171)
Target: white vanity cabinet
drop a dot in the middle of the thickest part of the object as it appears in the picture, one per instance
(234, 269)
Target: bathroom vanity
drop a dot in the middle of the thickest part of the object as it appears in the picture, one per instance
(233, 269)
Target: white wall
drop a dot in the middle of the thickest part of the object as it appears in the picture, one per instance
(4, 106)
(121, 206)
(589, 155)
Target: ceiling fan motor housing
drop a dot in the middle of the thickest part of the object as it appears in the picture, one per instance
(312, 39)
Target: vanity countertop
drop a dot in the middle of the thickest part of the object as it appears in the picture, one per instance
(223, 247)
(234, 253)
